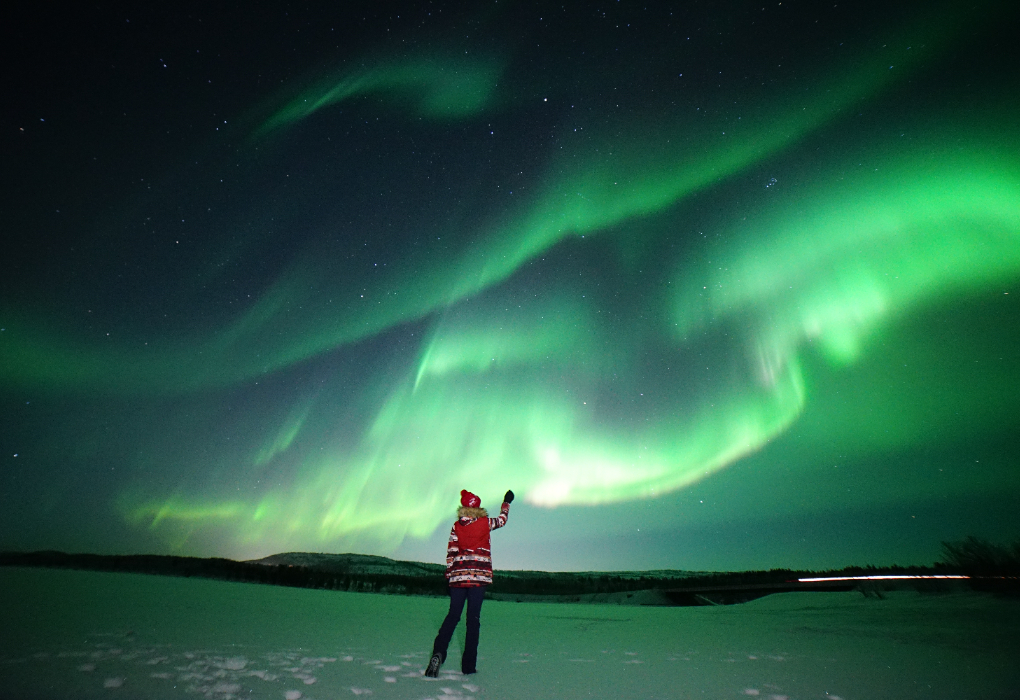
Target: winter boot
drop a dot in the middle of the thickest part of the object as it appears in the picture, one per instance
(434, 663)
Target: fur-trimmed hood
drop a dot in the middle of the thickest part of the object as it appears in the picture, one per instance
(465, 512)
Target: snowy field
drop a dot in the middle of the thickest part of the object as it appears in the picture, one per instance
(70, 634)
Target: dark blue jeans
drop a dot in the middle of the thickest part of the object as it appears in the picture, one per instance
(474, 596)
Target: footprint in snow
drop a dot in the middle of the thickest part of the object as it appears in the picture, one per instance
(236, 663)
(225, 688)
(452, 694)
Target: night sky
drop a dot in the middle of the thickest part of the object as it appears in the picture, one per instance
(709, 285)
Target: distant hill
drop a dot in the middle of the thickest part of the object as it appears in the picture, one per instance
(351, 564)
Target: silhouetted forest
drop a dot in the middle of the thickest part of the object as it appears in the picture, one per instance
(977, 557)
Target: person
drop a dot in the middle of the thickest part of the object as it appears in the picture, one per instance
(468, 572)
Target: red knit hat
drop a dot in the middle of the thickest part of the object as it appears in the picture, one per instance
(469, 500)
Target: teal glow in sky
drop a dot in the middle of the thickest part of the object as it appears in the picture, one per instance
(706, 291)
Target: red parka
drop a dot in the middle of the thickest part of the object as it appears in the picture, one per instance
(468, 555)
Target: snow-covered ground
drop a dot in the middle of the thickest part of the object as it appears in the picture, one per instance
(71, 634)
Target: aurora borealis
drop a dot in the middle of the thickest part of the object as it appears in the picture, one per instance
(708, 288)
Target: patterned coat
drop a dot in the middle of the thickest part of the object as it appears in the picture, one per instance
(468, 556)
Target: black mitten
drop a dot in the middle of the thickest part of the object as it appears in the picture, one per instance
(509, 497)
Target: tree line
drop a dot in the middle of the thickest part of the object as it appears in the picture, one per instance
(995, 567)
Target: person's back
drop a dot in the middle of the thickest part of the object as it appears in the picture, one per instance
(468, 572)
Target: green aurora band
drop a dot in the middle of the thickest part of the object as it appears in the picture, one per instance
(506, 395)
(434, 87)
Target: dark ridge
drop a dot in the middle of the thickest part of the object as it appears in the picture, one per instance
(351, 564)
(374, 574)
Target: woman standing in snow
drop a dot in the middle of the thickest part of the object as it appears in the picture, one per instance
(468, 571)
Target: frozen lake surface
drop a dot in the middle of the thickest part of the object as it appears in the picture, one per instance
(77, 634)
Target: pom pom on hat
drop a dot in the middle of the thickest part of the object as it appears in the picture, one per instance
(469, 500)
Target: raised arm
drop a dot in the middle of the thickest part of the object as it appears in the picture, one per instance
(504, 512)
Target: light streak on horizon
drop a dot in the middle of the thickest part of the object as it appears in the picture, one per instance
(888, 577)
